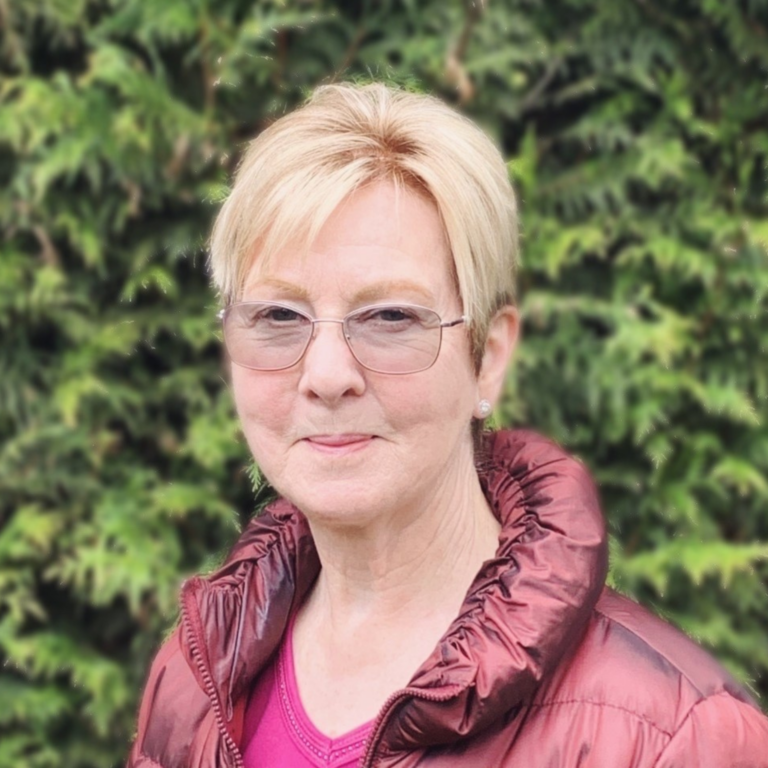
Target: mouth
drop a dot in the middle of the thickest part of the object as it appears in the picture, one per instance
(339, 444)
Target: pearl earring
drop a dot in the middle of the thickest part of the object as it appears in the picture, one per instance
(483, 409)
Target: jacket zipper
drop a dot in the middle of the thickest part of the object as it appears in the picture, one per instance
(384, 714)
(208, 686)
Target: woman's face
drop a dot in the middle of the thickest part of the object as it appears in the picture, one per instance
(343, 443)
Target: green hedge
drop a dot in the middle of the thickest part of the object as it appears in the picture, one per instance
(637, 142)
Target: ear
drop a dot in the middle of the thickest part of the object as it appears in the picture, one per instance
(500, 343)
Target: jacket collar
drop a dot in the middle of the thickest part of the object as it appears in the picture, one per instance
(525, 609)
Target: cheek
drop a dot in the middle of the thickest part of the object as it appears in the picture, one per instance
(264, 402)
(438, 401)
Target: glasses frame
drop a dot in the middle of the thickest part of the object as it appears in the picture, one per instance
(223, 313)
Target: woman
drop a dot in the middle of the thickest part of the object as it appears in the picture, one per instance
(421, 594)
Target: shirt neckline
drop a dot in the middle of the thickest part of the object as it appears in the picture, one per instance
(313, 742)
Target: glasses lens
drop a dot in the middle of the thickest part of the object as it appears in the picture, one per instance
(265, 336)
(394, 339)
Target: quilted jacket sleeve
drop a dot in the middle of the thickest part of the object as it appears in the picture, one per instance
(719, 732)
(149, 701)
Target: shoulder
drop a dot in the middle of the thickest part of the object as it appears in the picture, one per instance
(675, 662)
(631, 641)
(637, 673)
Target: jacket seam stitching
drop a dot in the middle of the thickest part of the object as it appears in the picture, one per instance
(607, 705)
(683, 722)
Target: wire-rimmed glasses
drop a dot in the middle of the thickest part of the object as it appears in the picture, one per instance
(385, 338)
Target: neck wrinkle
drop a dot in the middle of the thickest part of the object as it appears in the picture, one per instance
(431, 559)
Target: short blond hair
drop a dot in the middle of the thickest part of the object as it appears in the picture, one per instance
(296, 172)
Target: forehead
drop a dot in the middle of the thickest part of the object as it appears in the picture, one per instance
(386, 215)
(380, 239)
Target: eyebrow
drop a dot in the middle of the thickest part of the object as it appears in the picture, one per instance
(289, 290)
(375, 292)
(387, 288)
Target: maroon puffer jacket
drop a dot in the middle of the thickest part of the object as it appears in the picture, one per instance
(543, 668)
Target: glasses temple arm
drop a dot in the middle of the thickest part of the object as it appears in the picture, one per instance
(450, 324)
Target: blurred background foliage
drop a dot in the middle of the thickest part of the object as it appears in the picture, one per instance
(636, 137)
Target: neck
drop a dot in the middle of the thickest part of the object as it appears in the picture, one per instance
(408, 564)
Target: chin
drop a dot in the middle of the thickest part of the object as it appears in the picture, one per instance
(340, 504)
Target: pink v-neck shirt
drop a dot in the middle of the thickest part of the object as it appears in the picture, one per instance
(278, 730)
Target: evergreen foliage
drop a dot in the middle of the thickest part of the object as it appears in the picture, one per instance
(637, 141)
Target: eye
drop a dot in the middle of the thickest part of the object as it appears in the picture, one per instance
(280, 314)
(263, 317)
(388, 319)
(274, 314)
(392, 315)
(385, 316)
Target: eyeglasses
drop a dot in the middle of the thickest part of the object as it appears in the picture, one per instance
(387, 338)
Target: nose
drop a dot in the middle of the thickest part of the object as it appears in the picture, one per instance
(329, 370)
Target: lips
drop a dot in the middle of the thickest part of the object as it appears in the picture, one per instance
(340, 443)
(337, 439)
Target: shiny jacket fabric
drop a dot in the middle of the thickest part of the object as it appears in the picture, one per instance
(543, 667)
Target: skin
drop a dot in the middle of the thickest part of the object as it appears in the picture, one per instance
(381, 465)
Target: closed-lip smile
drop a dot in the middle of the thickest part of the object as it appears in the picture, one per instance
(339, 443)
